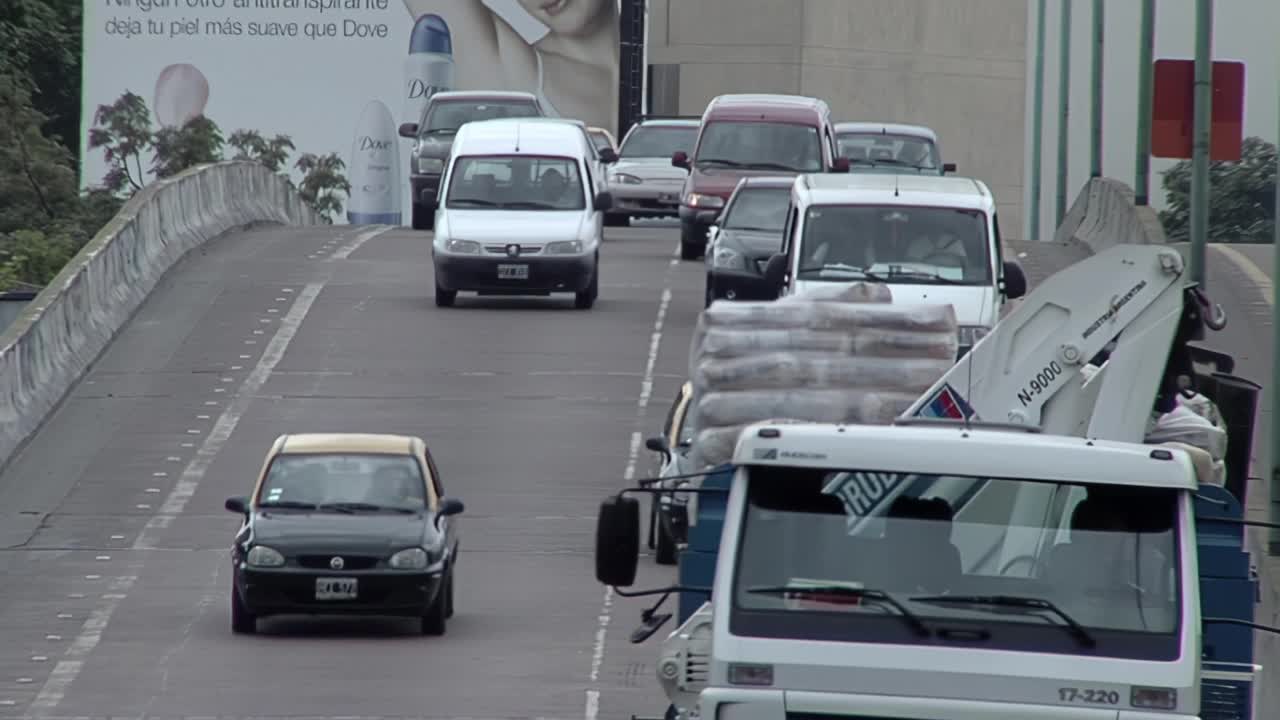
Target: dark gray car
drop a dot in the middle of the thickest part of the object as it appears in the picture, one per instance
(748, 233)
(433, 136)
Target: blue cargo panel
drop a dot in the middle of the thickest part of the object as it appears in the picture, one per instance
(698, 560)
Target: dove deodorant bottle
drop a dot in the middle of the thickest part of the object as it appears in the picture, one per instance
(429, 67)
(375, 169)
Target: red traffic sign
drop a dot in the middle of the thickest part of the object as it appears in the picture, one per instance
(1173, 110)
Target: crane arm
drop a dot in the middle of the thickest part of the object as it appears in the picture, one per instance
(1029, 370)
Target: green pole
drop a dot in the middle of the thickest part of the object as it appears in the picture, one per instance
(1200, 146)
(1095, 93)
(1037, 122)
(1273, 547)
(1142, 161)
(1064, 110)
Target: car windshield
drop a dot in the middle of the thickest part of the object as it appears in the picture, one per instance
(515, 182)
(760, 146)
(1106, 557)
(449, 115)
(658, 142)
(370, 482)
(759, 208)
(907, 150)
(896, 244)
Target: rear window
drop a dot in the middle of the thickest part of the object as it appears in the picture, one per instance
(659, 141)
(450, 115)
(750, 145)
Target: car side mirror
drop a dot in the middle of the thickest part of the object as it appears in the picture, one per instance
(238, 504)
(618, 541)
(775, 271)
(1015, 281)
(658, 444)
(706, 217)
(680, 159)
(451, 506)
(948, 167)
(604, 200)
(409, 130)
(840, 165)
(608, 155)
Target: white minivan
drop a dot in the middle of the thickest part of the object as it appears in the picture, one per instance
(520, 211)
(930, 238)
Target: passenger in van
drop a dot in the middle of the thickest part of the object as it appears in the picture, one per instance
(918, 533)
(553, 186)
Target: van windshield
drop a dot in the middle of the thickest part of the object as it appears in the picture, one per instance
(659, 141)
(1105, 557)
(898, 150)
(896, 243)
(447, 116)
(515, 182)
(789, 147)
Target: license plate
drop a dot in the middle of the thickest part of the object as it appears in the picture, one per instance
(335, 588)
(513, 272)
(667, 197)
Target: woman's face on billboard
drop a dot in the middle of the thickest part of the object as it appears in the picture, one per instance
(566, 17)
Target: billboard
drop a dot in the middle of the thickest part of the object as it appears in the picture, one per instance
(339, 76)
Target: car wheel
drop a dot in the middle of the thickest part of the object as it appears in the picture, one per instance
(445, 298)
(665, 554)
(423, 218)
(433, 621)
(448, 599)
(616, 220)
(709, 295)
(587, 298)
(243, 622)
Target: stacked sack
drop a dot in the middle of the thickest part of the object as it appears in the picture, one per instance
(844, 355)
(1197, 426)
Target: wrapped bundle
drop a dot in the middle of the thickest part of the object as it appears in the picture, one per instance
(841, 356)
(1184, 425)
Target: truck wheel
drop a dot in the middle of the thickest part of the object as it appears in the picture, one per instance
(665, 554)
(423, 219)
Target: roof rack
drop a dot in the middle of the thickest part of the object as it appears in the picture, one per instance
(966, 424)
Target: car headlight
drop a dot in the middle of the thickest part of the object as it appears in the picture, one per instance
(625, 179)
(409, 559)
(430, 165)
(463, 247)
(709, 202)
(971, 334)
(564, 247)
(263, 556)
(724, 257)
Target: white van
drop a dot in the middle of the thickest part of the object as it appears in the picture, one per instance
(931, 239)
(520, 211)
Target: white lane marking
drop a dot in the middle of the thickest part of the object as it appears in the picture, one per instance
(591, 711)
(354, 244)
(227, 421)
(1249, 268)
(65, 671)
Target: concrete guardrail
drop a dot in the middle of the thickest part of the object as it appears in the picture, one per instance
(67, 326)
(1104, 215)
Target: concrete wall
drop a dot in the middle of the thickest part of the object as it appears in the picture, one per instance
(959, 66)
(63, 330)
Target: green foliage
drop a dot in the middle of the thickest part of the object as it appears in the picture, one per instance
(1241, 197)
(197, 142)
(123, 131)
(321, 178)
(40, 42)
(250, 144)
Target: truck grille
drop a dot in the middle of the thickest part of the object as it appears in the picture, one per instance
(1226, 700)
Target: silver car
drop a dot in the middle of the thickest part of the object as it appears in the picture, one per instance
(643, 182)
(669, 514)
(891, 147)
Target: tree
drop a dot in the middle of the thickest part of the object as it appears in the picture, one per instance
(1241, 197)
(321, 178)
(40, 41)
(123, 131)
(252, 146)
(197, 142)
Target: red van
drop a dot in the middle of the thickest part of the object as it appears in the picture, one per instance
(745, 135)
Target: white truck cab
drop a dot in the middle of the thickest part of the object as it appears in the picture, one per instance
(931, 239)
(930, 573)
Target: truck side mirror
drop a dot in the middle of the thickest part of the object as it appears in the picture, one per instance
(409, 130)
(618, 541)
(840, 165)
(948, 167)
(775, 271)
(1015, 281)
(680, 159)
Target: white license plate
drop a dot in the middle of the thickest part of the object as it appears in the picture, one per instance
(335, 588)
(513, 272)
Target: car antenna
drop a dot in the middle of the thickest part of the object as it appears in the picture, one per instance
(895, 184)
(517, 137)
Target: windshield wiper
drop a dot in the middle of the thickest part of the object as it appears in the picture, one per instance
(841, 267)
(473, 201)
(844, 591)
(895, 272)
(287, 505)
(771, 166)
(717, 161)
(352, 507)
(753, 228)
(1014, 601)
(534, 204)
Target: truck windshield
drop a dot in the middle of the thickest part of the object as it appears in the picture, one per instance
(897, 150)
(898, 243)
(1105, 559)
(788, 147)
(515, 182)
(659, 141)
(448, 115)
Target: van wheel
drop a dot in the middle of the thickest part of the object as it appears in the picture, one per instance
(423, 218)
(587, 298)
(445, 298)
(617, 220)
(692, 242)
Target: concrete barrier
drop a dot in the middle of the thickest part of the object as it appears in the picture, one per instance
(1104, 215)
(63, 330)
